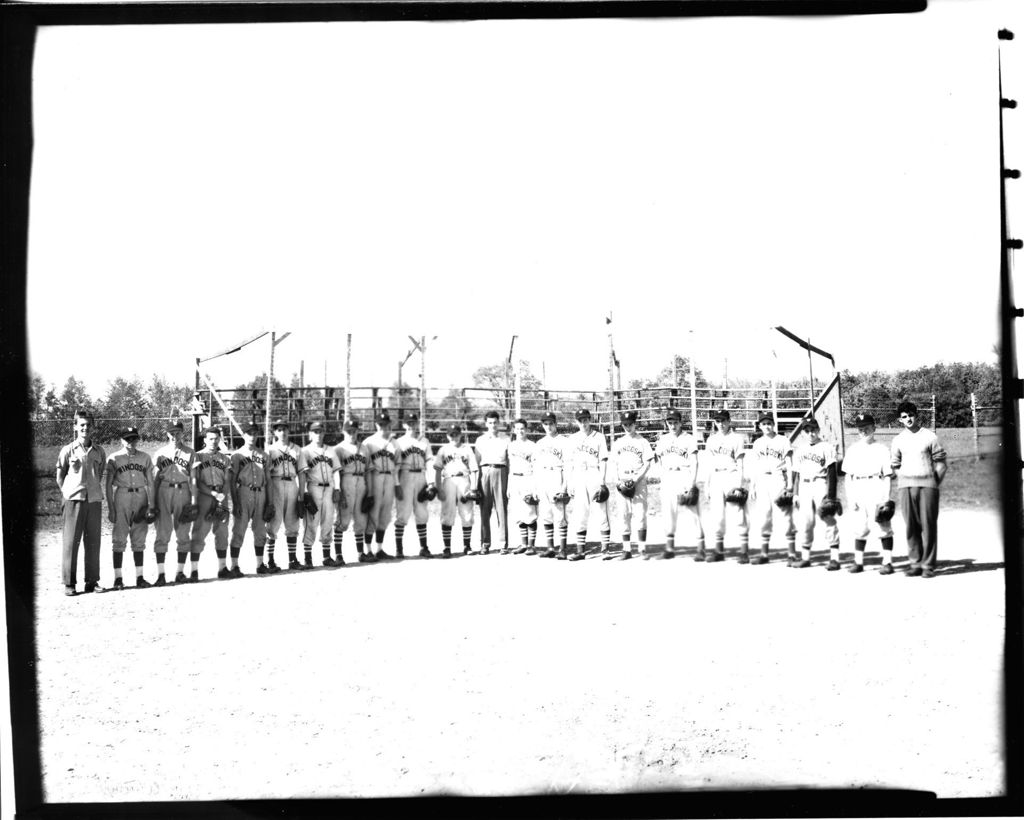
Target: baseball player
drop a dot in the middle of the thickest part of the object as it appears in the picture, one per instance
(282, 495)
(319, 481)
(129, 490)
(522, 494)
(588, 467)
(381, 480)
(771, 473)
(868, 487)
(632, 456)
(247, 480)
(210, 477)
(173, 490)
(455, 474)
(492, 454)
(724, 453)
(414, 452)
(919, 460)
(549, 457)
(79, 470)
(352, 457)
(815, 464)
(676, 453)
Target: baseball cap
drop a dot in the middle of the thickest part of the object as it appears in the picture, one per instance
(582, 414)
(765, 418)
(812, 424)
(722, 415)
(253, 429)
(864, 420)
(629, 417)
(548, 418)
(350, 424)
(673, 415)
(316, 427)
(383, 417)
(129, 433)
(170, 427)
(280, 423)
(454, 430)
(410, 418)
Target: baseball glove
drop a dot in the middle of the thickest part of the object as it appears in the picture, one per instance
(830, 507)
(300, 508)
(428, 493)
(269, 513)
(884, 512)
(737, 495)
(367, 505)
(531, 499)
(309, 504)
(561, 498)
(471, 495)
(626, 488)
(189, 513)
(218, 512)
(689, 498)
(784, 500)
(601, 494)
(142, 515)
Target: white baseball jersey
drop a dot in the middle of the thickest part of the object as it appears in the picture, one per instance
(283, 460)
(320, 463)
(724, 449)
(677, 452)
(520, 457)
(172, 463)
(631, 454)
(769, 454)
(813, 460)
(587, 452)
(455, 459)
(382, 453)
(352, 458)
(550, 453)
(412, 453)
(864, 459)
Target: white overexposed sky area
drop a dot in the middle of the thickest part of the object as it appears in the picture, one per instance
(193, 185)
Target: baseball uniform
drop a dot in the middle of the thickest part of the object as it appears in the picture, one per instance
(248, 473)
(210, 472)
(317, 465)
(723, 452)
(130, 476)
(492, 455)
(811, 462)
(632, 456)
(588, 459)
(521, 484)
(550, 472)
(382, 455)
(458, 468)
(413, 453)
(282, 493)
(677, 457)
(770, 460)
(172, 476)
(352, 457)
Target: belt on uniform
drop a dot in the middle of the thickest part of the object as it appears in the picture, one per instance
(413, 470)
(678, 469)
(520, 475)
(725, 469)
(321, 484)
(253, 487)
(496, 466)
(131, 489)
(283, 477)
(862, 477)
(178, 484)
(815, 478)
(456, 475)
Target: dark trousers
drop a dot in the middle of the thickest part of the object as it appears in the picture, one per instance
(919, 507)
(494, 492)
(82, 520)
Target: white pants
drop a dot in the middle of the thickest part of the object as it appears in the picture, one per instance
(811, 494)
(519, 512)
(549, 483)
(584, 485)
(632, 511)
(454, 488)
(863, 495)
(411, 483)
(673, 484)
(722, 514)
(766, 488)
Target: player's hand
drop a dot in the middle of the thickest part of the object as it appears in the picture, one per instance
(399, 493)
(111, 516)
(219, 497)
(236, 509)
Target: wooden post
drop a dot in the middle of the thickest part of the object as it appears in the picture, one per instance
(974, 424)
(934, 420)
(348, 376)
(270, 381)
(693, 387)
(423, 384)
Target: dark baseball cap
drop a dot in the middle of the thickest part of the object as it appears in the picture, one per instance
(812, 424)
(251, 429)
(350, 424)
(316, 427)
(629, 417)
(765, 418)
(171, 426)
(673, 415)
(454, 430)
(279, 424)
(130, 433)
(722, 415)
(864, 420)
(411, 418)
(582, 414)
(548, 418)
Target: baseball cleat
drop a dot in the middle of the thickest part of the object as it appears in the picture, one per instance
(700, 556)
(224, 573)
(308, 563)
(608, 555)
(399, 554)
(272, 566)
(886, 570)
(667, 554)
(339, 561)
(626, 555)
(70, 591)
(180, 578)
(913, 572)
(425, 553)
(791, 559)
(802, 564)
(329, 562)
(380, 555)
(194, 577)
(715, 556)
(118, 584)
(363, 558)
(760, 559)
(263, 569)
(562, 555)
(468, 551)
(550, 553)
(236, 572)
(447, 552)
(832, 566)
(293, 563)
(577, 556)
(856, 568)
(520, 551)
(744, 558)
(530, 551)
(927, 572)
(142, 583)
(161, 581)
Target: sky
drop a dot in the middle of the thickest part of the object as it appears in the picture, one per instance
(699, 180)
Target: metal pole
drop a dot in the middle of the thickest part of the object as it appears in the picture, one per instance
(974, 424)
(519, 392)
(934, 421)
(399, 403)
(693, 387)
(810, 368)
(348, 376)
(270, 381)
(423, 384)
(195, 418)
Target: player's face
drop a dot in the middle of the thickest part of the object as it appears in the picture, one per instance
(813, 435)
(491, 423)
(129, 444)
(867, 433)
(316, 437)
(281, 434)
(250, 439)
(454, 438)
(583, 424)
(550, 428)
(520, 431)
(212, 439)
(724, 425)
(908, 420)
(82, 428)
(629, 427)
(767, 428)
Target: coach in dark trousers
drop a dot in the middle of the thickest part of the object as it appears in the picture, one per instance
(79, 470)
(492, 453)
(919, 461)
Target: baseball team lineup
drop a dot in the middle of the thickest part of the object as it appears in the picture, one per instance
(558, 483)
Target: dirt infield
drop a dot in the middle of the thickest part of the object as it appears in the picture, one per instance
(518, 675)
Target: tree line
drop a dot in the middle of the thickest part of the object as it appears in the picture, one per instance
(952, 384)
